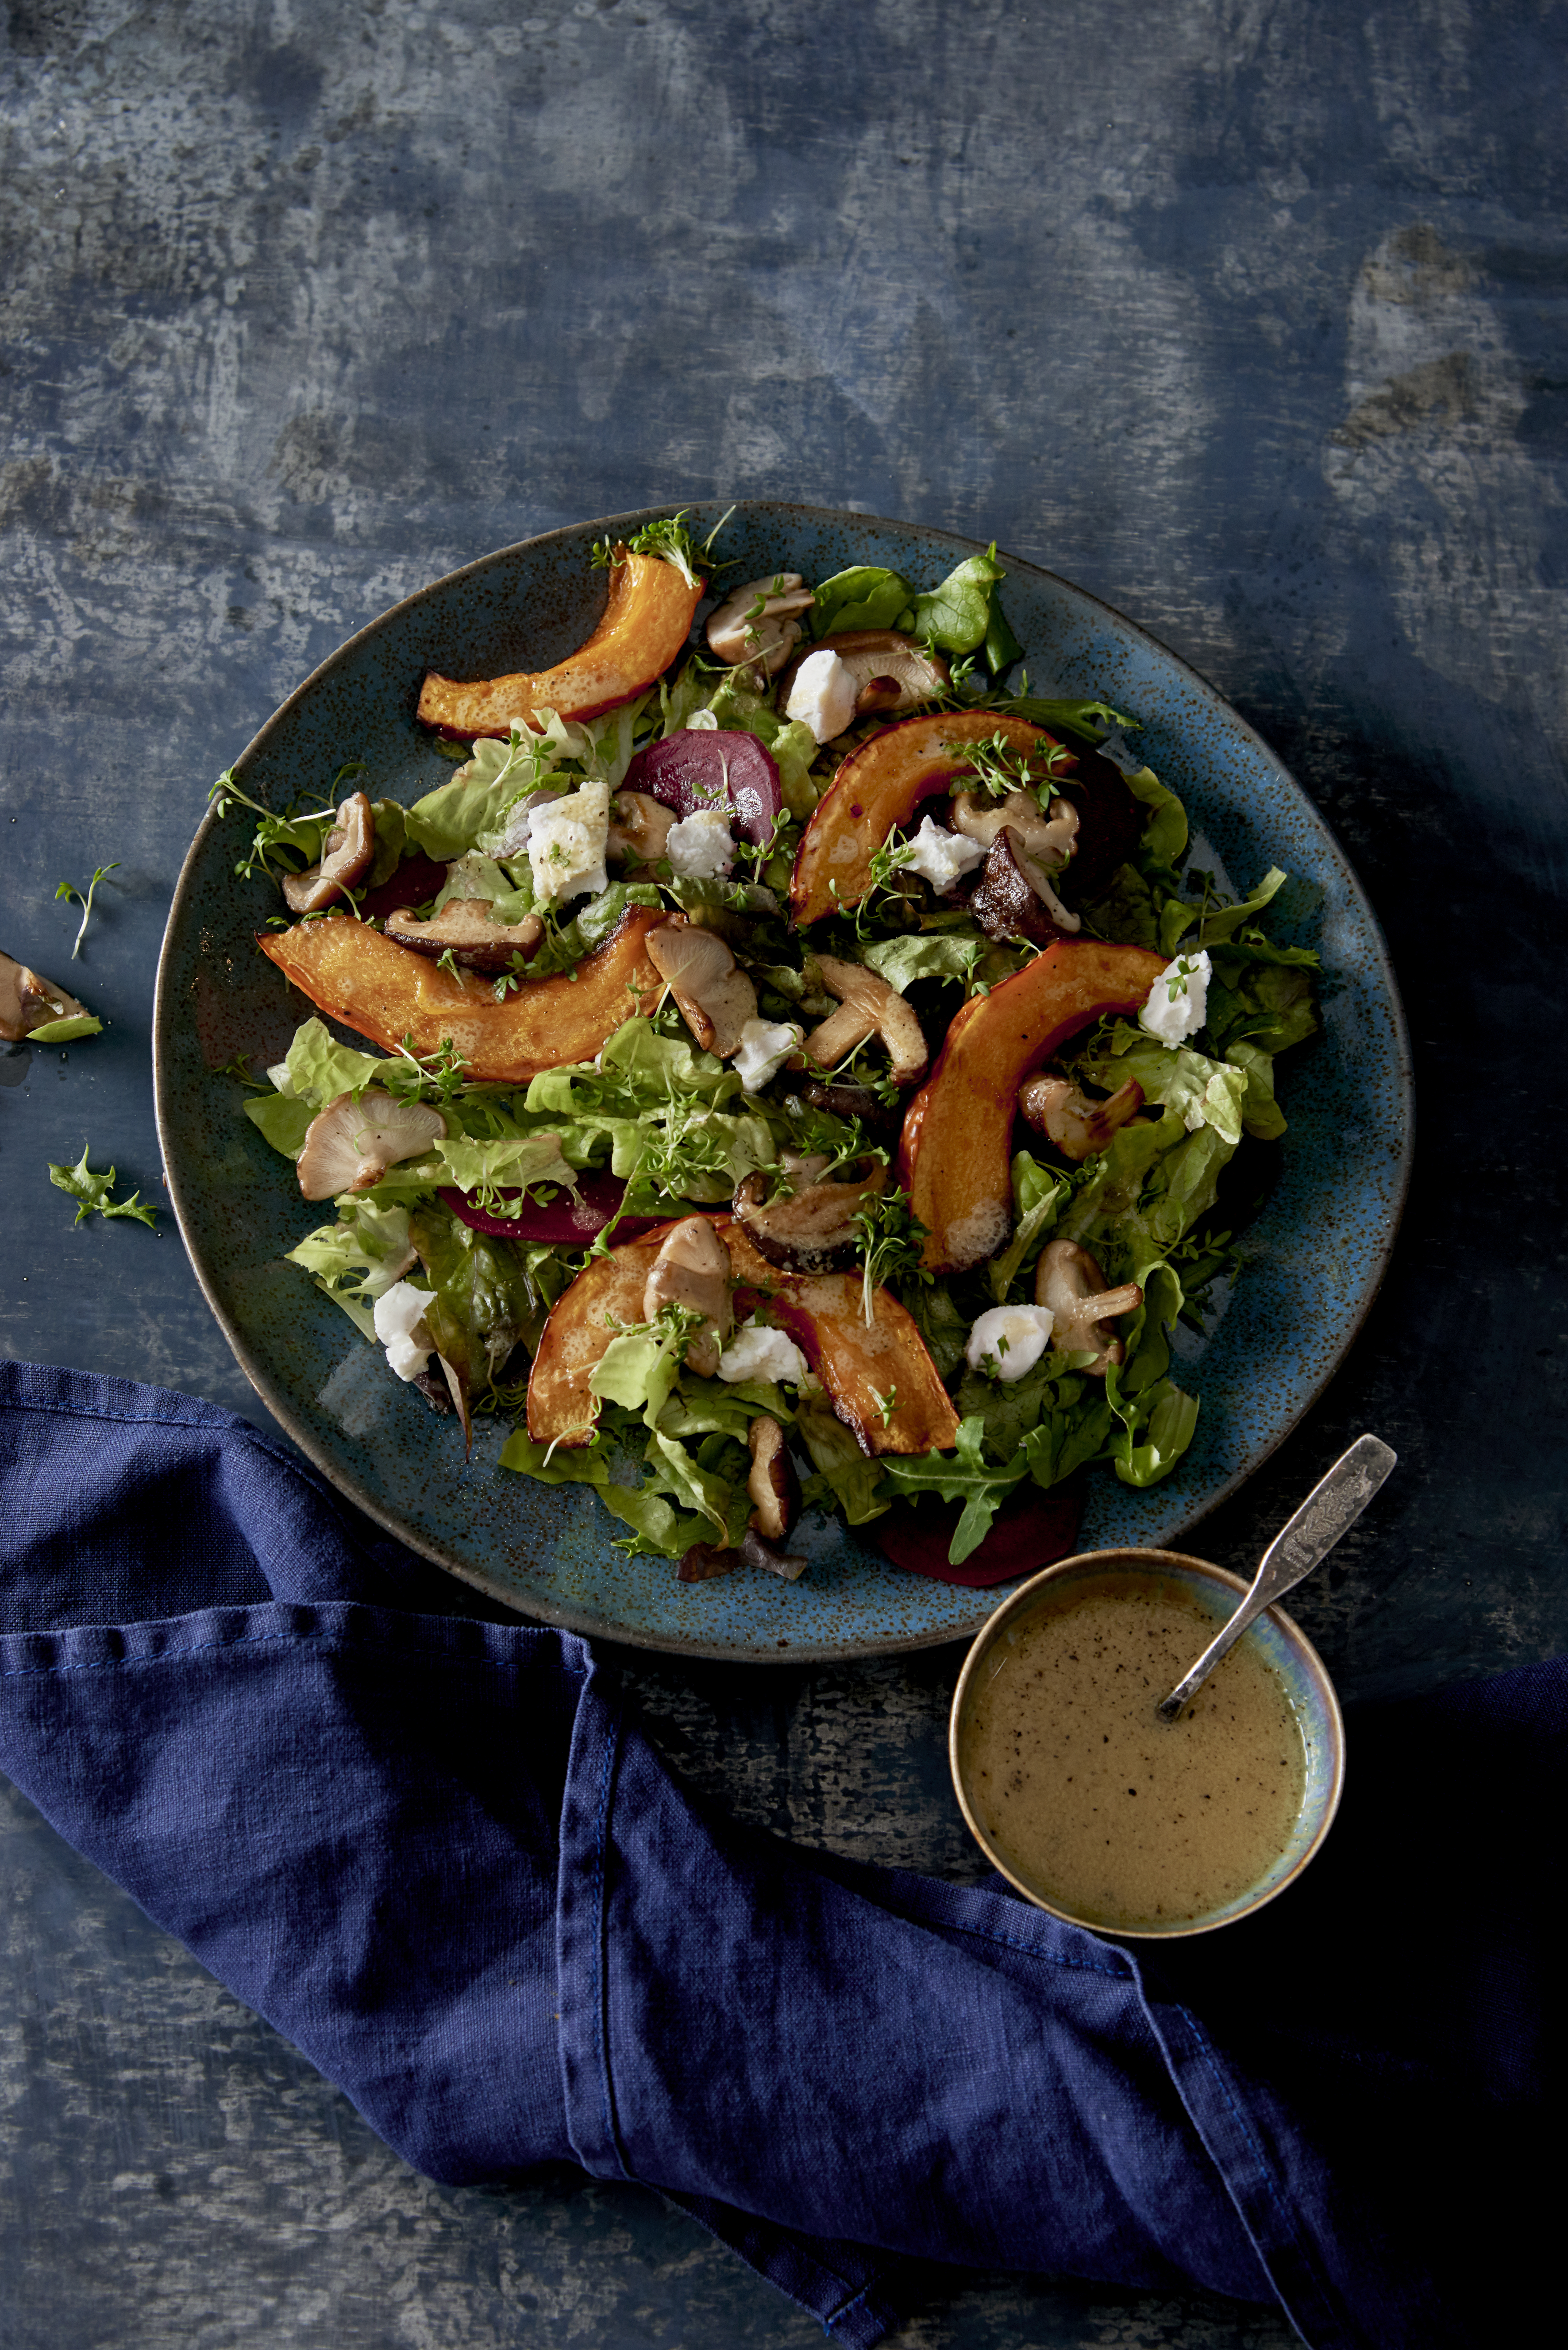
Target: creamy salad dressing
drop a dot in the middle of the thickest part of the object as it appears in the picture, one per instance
(1124, 1820)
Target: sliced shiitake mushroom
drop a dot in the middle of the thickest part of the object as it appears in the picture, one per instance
(867, 1006)
(1013, 898)
(1069, 1281)
(351, 1144)
(850, 1101)
(346, 856)
(464, 929)
(692, 1269)
(716, 999)
(28, 1002)
(773, 1484)
(892, 671)
(1077, 1126)
(812, 1230)
(760, 622)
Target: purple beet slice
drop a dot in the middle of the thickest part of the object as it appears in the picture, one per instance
(565, 1222)
(690, 770)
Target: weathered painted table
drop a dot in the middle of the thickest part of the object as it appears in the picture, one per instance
(1250, 320)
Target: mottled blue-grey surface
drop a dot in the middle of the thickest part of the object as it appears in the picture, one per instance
(1247, 316)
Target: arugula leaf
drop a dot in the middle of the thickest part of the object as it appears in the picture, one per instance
(94, 1191)
(1087, 720)
(964, 1476)
(867, 596)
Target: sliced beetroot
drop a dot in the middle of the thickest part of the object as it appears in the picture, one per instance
(417, 880)
(693, 770)
(1031, 1530)
(569, 1223)
(1110, 824)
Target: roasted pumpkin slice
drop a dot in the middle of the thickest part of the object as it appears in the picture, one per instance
(881, 1381)
(954, 1158)
(879, 786)
(606, 1297)
(880, 1378)
(389, 993)
(646, 622)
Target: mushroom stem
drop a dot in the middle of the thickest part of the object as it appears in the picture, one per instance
(346, 855)
(1077, 1126)
(1071, 1284)
(868, 1007)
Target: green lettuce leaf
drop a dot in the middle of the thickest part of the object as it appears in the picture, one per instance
(923, 955)
(318, 1068)
(844, 1477)
(963, 1475)
(1039, 1195)
(452, 818)
(283, 1119)
(956, 614)
(867, 596)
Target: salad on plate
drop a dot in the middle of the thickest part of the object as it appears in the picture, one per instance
(805, 1069)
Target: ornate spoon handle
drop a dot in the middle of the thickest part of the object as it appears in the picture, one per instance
(1302, 1542)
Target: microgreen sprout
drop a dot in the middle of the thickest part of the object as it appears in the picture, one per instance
(68, 889)
(669, 540)
(893, 1243)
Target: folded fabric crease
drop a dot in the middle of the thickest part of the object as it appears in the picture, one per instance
(433, 1852)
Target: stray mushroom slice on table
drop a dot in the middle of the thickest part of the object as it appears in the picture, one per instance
(351, 1144)
(346, 857)
(466, 930)
(716, 998)
(1069, 1282)
(760, 622)
(868, 1007)
(692, 1269)
(1077, 1126)
(28, 1002)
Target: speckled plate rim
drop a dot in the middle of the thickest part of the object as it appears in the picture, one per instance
(542, 1608)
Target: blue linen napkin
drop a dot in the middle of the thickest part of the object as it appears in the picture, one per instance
(432, 1850)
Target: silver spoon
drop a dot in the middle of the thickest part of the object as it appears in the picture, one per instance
(1302, 1542)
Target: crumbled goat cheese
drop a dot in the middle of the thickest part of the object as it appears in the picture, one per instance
(1179, 1000)
(701, 845)
(701, 722)
(1009, 1339)
(400, 1327)
(756, 1353)
(765, 1046)
(824, 694)
(940, 857)
(567, 845)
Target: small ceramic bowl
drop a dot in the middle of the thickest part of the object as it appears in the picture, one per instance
(1276, 1640)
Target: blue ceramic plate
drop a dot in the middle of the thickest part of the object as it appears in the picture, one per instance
(1318, 1252)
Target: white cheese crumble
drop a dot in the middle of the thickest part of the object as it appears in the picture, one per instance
(566, 844)
(765, 1046)
(824, 694)
(701, 845)
(1009, 1339)
(1179, 1000)
(756, 1353)
(400, 1327)
(940, 856)
(701, 722)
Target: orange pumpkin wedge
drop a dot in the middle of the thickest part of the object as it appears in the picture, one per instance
(879, 786)
(646, 622)
(953, 1158)
(387, 993)
(880, 1380)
